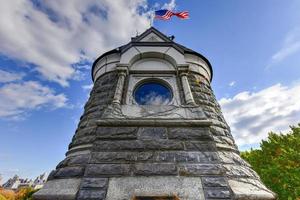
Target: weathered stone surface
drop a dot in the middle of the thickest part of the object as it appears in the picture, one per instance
(250, 189)
(231, 158)
(106, 157)
(200, 169)
(138, 145)
(124, 188)
(94, 183)
(165, 156)
(199, 146)
(81, 159)
(83, 140)
(147, 133)
(69, 172)
(147, 169)
(190, 134)
(82, 132)
(217, 193)
(214, 182)
(187, 157)
(224, 140)
(51, 175)
(239, 171)
(91, 195)
(145, 156)
(179, 149)
(116, 133)
(60, 189)
(226, 147)
(219, 131)
(108, 170)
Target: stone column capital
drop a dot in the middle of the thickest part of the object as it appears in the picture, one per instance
(183, 69)
(122, 69)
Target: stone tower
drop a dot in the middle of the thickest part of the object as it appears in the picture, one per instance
(152, 129)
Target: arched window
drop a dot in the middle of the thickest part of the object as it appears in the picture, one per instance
(153, 92)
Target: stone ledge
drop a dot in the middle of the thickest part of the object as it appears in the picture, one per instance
(60, 189)
(250, 189)
(154, 122)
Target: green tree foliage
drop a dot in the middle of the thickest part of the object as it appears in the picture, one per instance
(25, 193)
(278, 163)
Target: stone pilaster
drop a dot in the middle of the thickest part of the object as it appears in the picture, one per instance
(122, 72)
(183, 73)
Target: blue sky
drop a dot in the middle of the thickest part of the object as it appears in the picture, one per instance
(47, 47)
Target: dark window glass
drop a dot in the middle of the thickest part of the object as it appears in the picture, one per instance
(152, 93)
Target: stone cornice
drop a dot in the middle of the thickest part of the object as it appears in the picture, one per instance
(154, 122)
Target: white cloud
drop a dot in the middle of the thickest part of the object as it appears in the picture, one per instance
(53, 34)
(6, 77)
(154, 98)
(290, 46)
(252, 115)
(18, 98)
(88, 87)
(232, 83)
(170, 6)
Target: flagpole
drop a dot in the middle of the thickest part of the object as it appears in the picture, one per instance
(151, 19)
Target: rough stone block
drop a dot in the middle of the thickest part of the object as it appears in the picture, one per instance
(125, 188)
(217, 193)
(81, 132)
(91, 195)
(232, 158)
(187, 157)
(200, 169)
(146, 169)
(195, 157)
(219, 131)
(137, 145)
(95, 170)
(214, 182)
(51, 175)
(81, 159)
(105, 157)
(62, 163)
(240, 171)
(250, 189)
(60, 189)
(69, 172)
(209, 157)
(224, 140)
(200, 146)
(190, 134)
(94, 183)
(83, 140)
(152, 133)
(145, 156)
(165, 156)
(116, 132)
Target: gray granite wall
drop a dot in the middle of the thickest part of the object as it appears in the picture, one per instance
(85, 135)
(99, 153)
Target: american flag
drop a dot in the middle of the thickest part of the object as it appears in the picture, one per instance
(167, 14)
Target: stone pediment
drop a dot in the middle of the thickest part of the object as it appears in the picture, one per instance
(152, 35)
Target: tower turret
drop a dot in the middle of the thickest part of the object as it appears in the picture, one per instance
(153, 129)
